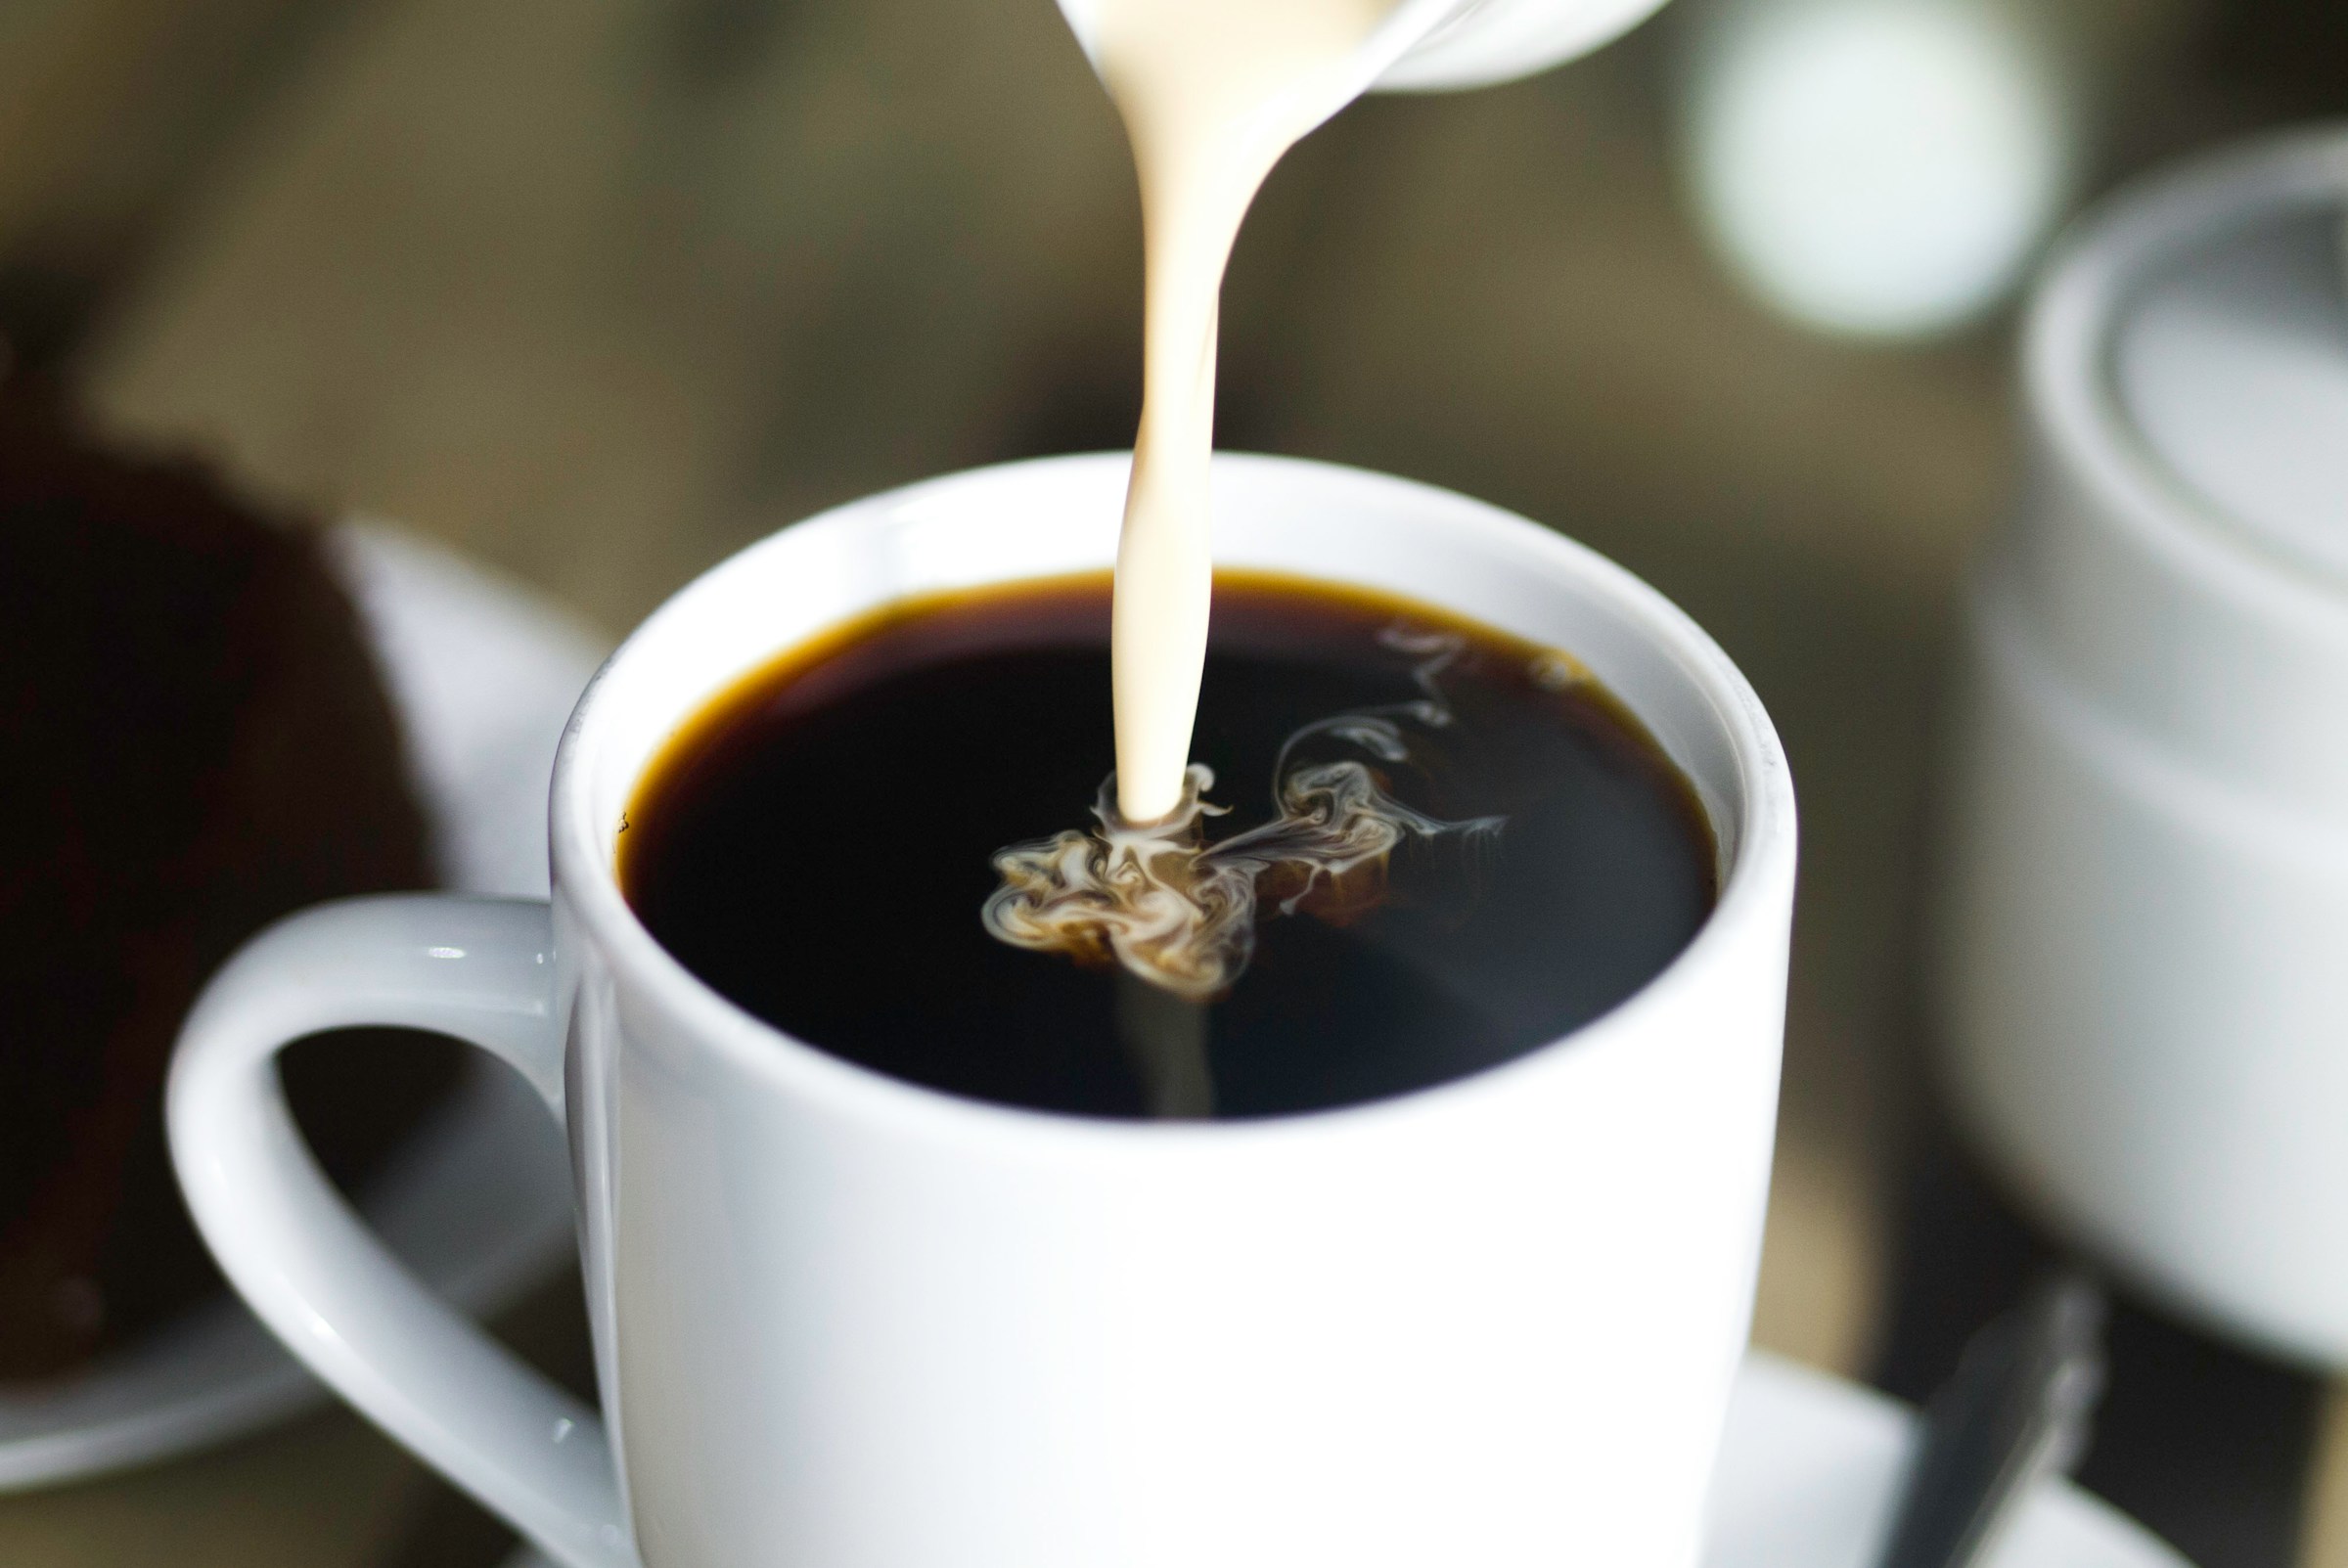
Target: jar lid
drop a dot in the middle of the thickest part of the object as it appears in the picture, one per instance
(2179, 556)
(2231, 360)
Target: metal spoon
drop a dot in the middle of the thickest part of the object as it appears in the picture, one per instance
(2016, 1411)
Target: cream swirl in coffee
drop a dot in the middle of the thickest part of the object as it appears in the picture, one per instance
(1179, 911)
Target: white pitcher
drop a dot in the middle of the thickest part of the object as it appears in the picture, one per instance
(1438, 45)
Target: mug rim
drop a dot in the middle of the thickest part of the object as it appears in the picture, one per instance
(1756, 881)
(2067, 349)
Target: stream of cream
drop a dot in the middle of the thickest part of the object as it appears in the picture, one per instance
(1212, 93)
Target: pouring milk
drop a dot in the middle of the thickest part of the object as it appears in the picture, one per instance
(1212, 92)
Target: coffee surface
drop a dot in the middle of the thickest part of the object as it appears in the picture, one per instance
(787, 848)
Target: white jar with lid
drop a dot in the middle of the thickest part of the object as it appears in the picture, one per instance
(2141, 939)
(1436, 45)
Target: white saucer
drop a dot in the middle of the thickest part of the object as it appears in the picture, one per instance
(1807, 1473)
(478, 1202)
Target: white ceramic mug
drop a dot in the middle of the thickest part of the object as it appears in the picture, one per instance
(2143, 929)
(845, 1321)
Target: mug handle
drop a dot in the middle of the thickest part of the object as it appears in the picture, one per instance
(479, 969)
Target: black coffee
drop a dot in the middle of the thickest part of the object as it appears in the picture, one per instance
(819, 842)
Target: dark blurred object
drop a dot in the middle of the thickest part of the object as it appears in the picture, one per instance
(44, 311)
(198, 742)
(2206, 1445)
(2015, 1412)
(2291, 54)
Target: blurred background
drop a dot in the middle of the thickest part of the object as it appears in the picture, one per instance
(597, 290)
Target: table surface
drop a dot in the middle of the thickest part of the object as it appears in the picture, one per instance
(601, 292)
